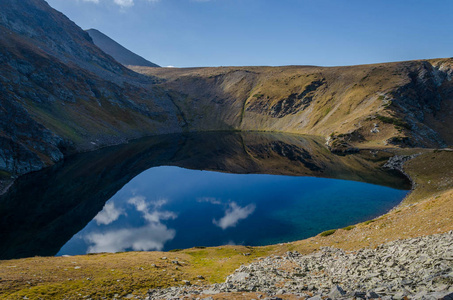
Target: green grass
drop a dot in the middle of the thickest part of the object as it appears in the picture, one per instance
(258, 96)
(4, 174)
(388, 104)
(328, 232)
(369, 222)
(349, 227)
(395, 121)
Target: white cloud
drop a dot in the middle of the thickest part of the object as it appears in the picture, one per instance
(233, 215)
(150, 237)
(108, 214)
(124, 3)
(144, 207)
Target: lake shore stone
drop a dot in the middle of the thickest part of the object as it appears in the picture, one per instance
(417, 268)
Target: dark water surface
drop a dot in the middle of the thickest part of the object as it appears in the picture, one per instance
(180, 191)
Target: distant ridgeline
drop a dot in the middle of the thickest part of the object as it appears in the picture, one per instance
(118, 52)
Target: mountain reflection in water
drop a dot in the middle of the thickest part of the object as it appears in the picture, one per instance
(170, 207)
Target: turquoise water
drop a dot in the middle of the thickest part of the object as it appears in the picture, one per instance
(169, 207)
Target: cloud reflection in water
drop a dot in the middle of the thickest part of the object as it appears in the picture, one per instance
(234, 214)
(108, 214)
(151, 236)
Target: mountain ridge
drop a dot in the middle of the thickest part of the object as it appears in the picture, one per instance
(61, 94)
(380, 105)
(117, 51)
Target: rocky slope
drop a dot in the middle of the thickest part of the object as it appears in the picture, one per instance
(61, 94)
(117, 51)
(403, 103)
(418, 268)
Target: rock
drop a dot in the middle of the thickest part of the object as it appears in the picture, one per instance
(238, 277)
(336, 292)
(186, 282)
(372, 295)
(396, 270)
(210, 292)
(280, 292)
(448, 296)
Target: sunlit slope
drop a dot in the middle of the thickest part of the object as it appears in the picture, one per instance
(402, 103)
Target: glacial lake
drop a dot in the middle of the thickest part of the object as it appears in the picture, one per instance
(182, 191)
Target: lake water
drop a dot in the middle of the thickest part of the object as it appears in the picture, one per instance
(181, 191)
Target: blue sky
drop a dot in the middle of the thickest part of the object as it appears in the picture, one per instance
(186, 33)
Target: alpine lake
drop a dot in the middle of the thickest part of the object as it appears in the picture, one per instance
(195, 189)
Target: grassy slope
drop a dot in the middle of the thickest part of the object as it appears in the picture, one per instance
(427, 210)
(331, 100)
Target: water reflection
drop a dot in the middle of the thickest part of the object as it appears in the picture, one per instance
(233, 214)
(89, 194)
(108, 214)
(150, 236)
(170, 207)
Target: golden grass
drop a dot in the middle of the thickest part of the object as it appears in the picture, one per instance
(428, 210)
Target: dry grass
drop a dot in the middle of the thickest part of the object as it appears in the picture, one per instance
(428, 210)
(348, 100)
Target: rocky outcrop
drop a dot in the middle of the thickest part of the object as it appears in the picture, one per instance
(291, 105)
(418, 268)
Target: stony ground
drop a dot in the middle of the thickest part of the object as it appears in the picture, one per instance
(418, 268)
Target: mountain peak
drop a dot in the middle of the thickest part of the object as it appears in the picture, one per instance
(117, 51)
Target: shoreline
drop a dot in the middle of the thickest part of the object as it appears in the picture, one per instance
(427, 210)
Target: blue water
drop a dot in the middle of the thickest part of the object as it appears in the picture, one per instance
(166, 208)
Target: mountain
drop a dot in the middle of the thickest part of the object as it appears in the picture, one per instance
(118, 52)
(61, 94)
(403, 104)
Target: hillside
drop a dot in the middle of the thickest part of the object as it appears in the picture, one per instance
(117, 51)
(393, 104)
(61, 94)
